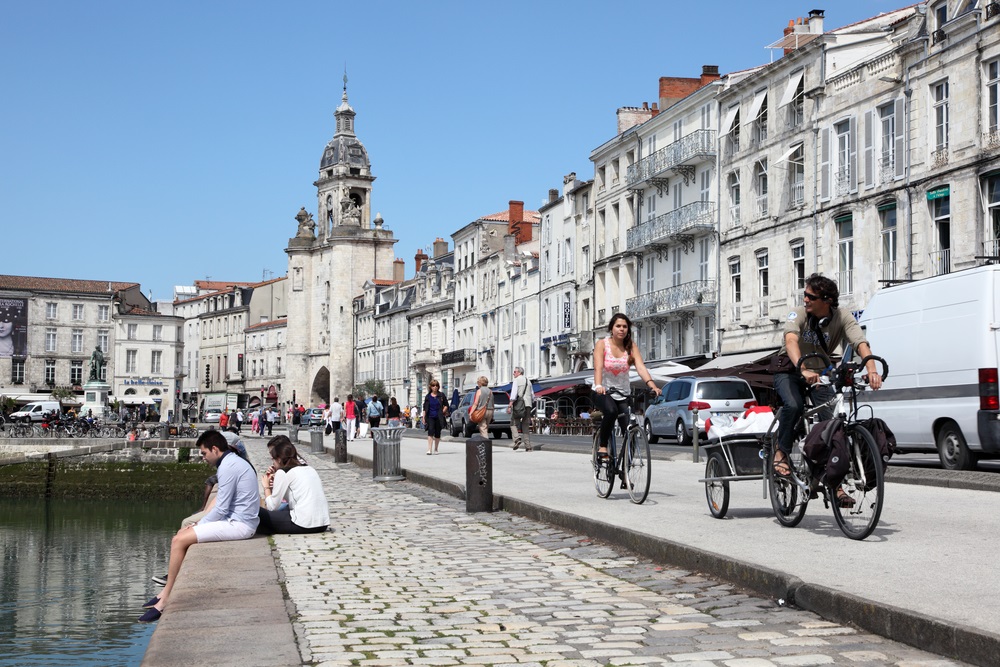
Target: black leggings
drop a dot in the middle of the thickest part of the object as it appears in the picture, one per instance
(279, 522)
(611, 409)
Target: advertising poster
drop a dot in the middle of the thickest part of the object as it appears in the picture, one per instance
(13, 327)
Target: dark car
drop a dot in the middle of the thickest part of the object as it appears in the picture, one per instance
(461, 424)
(721, 398)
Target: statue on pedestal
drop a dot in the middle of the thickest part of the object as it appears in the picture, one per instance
(96, 363)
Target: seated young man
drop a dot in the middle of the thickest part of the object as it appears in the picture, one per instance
(233, 517)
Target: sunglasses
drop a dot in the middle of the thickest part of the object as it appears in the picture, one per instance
(811, 297)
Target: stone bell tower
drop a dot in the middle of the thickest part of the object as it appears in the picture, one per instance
(329, 261)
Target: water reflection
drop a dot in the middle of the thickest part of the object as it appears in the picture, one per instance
(74, 576)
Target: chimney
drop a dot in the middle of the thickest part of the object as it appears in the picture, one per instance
(816, 21)
(516, 224)
(440, 247)
(788, 31)
(398, 270)
(420, 258)
(553, 195)
(709, 73)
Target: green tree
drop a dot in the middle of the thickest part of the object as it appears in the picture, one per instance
(62, 393)
(369, 388)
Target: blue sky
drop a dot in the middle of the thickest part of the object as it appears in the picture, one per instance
(167, 142)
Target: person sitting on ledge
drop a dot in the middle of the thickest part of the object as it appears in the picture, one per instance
(289, 480)
(233, 517)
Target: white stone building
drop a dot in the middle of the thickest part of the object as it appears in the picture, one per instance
(392, 334)
(328, 264)
(431, 324)
(265, 344)
(147, 358)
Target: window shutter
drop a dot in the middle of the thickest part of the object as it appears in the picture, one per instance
(853, 159)
(824, 168)
(869, 150)
(900, 150)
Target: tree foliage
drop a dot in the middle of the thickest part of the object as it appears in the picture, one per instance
(369, 388)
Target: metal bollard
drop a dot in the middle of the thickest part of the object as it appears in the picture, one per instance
(478, 474)
(340, 446)
(694, 436)
(386, 465)
(316, 439)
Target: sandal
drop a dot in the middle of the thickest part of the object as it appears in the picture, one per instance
(781, 468)
(604, 454)
(844, 500)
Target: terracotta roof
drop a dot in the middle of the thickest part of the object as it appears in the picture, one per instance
(504, 216)
(63, 285)
(271, 323)
(219, 285)
(383, 282)
(136, 310)
(265, 282)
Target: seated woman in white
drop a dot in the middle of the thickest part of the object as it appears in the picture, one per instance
(300, 486)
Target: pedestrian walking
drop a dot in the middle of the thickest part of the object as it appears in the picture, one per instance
(521, 400)
(483, 399)
(435, 411)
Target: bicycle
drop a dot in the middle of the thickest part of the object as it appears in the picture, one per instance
(857, 499)
(632, 464)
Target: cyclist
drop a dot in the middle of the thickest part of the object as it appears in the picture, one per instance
(613, 357)
(818, 327)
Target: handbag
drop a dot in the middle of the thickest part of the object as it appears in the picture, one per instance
(476, 416)
(329, 429)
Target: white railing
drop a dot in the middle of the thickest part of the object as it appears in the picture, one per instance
(762, 309)
(797, 194)
(762, 206)
(686, 219)
(991, 248)
(845, 281)
(887, 271)
(664, 301)
(886, 169)
(842, 181)
(940, 262)
(735, 310)
(734, 216)
(700, 143)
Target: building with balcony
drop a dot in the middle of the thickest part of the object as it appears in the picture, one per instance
(147, 357)
(392, 334)
(266, 349)
(49, 328)
(430, 322)
(674, 240)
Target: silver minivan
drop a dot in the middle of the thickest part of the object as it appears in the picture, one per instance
(721, 398)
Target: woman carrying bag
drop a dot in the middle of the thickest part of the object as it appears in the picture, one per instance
(481, 410)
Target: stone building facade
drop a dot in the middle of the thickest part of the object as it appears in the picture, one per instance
(431, 323)
(329, 262)
(147, 357)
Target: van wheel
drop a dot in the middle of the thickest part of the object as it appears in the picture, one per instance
(652, 437)
(953, 450)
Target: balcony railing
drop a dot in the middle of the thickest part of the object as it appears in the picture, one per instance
(940, 262)
(845, 281)
(796, 194)
(991, 249)
(762, 206)
(698, 144)
(939, 158)
(459, 358)
(763, 310)
(842, 181)
(426, 356)
(695, 294)
(682, 221)
(735, 311)
(886, 169)
(734, 216)
(887, 271)
(795, 113)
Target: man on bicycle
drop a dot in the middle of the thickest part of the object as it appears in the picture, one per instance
(818, 327)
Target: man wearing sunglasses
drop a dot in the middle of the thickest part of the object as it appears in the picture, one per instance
(818, 327)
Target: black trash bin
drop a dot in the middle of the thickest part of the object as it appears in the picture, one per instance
(316, 439)
(386, 466)
(478, 474)
(340, 446)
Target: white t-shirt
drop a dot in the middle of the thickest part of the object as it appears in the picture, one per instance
(336, 412)
(302, 488)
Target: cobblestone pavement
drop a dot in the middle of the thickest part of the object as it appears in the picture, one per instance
(409, 578)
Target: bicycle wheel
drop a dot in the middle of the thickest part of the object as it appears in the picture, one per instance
(637, 465)
(787, 501)
(603, 477)
(864, 485)
(717, 492)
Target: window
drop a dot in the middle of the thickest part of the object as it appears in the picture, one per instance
(678, 196)
(253, 368)
(734, 280)
(567, 259)
(103, 313)
(796, 177)
(650, 206)
(992, 246)
(279, 336)
(992, 101)
(650, 275)
(731, 127)
(705, 187)
(277, 361)
(156, 362)
(887, 220)
(760, 182)
(133, 330)
(17, 371)
(704, 252)
(78, 312)
(76, 341)
(941, 212)
(734, 199)
(845, 253)
(758, 113)
(939, 92)
(131, 361)
(76, 372)
(50, 340)
(157, 332)
(798, 267)
(792, 98)
(763, 284)
(675, 269)
(102, 339)
(51, 311)
(706, 117)
(843, 156)
(50, 371)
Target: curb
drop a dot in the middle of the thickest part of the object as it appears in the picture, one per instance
(961, 642)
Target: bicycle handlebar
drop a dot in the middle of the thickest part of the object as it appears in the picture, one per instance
(848, 368)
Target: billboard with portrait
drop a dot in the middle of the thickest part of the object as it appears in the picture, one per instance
(13, 327)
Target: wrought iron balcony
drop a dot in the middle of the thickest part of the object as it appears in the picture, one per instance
(700, 145)
(688, 296)
(466, 357)
(682, 222)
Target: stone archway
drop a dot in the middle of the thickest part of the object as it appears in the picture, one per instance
(320, 388)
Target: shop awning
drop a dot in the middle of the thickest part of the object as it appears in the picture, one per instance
(732, 360)
(554, 390)
(136, 400)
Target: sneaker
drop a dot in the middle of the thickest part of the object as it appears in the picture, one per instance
(161, 580)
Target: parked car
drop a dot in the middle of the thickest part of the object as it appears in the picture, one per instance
(460, 423)
(721, 398)
(313, 417)
(212, 416)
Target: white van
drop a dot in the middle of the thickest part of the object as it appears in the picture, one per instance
(941, 339)
(36, 411)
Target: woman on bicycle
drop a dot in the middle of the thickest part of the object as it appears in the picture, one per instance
(613, 357)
